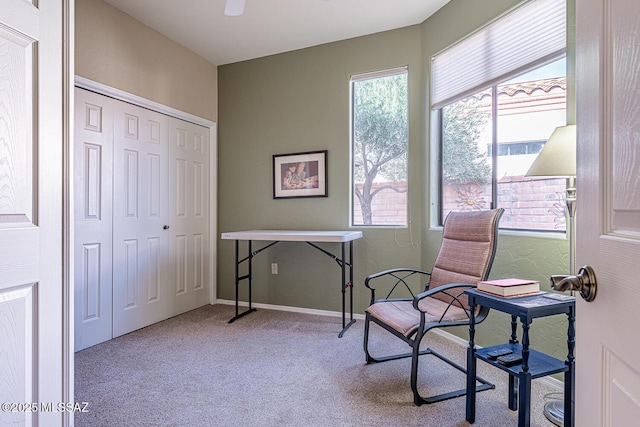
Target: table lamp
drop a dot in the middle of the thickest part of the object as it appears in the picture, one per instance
(558, 159)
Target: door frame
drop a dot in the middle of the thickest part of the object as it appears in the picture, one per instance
(118, 94)
(68, 109)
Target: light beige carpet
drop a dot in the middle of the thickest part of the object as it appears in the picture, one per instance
(274, 368)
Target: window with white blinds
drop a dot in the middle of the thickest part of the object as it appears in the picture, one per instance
(533, 33)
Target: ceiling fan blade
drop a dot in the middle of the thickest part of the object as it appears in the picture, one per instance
(234, 7)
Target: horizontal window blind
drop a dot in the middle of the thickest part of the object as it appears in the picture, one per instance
(530, 34)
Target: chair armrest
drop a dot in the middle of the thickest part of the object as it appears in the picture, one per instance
(400, 275)
(441, 289)
(480, 315)
(392, 272)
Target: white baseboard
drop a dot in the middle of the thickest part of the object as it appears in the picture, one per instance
(550, 381)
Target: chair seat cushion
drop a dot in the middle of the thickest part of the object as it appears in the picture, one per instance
(401, 316)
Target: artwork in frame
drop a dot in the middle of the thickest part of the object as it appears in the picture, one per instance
(300, 175)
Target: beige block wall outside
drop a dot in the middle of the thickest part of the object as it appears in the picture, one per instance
(114, 49)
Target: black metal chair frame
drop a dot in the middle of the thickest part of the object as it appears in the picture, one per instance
(414, 338)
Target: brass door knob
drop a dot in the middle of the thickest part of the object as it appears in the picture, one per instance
(585, 283)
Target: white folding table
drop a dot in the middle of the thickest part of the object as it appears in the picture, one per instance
(309, 237)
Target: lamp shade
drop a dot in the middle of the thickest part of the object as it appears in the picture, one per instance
(558, 155)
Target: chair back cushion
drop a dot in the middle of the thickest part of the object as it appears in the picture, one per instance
(469, 241)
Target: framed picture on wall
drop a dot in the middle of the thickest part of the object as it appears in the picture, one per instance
(300, 175)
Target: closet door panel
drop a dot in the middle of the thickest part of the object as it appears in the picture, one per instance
(93, 149)
(189, 202)
(140, 283)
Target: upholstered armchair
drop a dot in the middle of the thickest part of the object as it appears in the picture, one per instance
(466, 254)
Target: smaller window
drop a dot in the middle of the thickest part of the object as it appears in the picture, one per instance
(379, 142)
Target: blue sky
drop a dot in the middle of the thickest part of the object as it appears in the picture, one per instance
(554, 69)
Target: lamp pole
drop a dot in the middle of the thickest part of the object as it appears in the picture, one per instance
(571, 210)
(557, 159)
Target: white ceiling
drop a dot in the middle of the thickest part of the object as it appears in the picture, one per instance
(268, 27)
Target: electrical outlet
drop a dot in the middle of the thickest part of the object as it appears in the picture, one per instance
(274, 268)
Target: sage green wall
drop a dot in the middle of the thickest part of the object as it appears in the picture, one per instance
(299, 101)
(294, 102)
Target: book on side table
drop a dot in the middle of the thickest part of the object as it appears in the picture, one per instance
(509, 287)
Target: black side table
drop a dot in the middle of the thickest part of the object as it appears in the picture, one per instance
(534, 363)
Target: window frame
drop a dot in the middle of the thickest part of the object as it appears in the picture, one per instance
(353, 79)
(438, 117)
(526, 37)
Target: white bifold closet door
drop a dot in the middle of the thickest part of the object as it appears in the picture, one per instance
(93, 193)
(142, 217)
(141, 294)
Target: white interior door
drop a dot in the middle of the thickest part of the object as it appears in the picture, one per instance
(32, 350)
(93, 178)
(189, 202)
(141, 292)
(608, 214)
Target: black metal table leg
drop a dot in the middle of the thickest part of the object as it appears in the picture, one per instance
(344, 264)
(239, 278)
